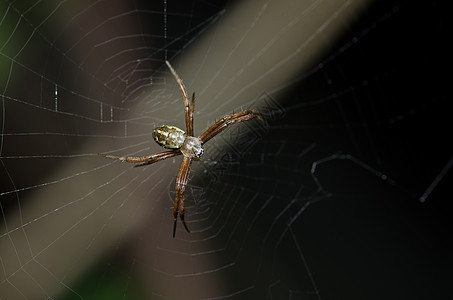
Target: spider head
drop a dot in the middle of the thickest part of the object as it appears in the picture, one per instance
(169, 136)
(192, 148)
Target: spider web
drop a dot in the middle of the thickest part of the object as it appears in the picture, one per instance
(342, 196)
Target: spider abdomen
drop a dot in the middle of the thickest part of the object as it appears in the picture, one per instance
(169, 136)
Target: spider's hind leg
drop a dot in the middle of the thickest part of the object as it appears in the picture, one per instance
(144, 160)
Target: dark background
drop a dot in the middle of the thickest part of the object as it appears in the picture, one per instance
(374, 239)
(385, 93)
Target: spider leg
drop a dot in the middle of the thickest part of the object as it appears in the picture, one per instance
(186, 99)
(145, 160)
(191, 113)
(181, 183)
(228, 120)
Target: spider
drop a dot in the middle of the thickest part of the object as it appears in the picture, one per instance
(185, 143)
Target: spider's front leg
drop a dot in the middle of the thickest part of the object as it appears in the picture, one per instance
(181, 183)
(228, 120)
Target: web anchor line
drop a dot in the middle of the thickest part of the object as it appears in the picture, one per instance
(436, 180)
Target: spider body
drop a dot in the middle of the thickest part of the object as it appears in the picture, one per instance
(184, 143)
(170, 137)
